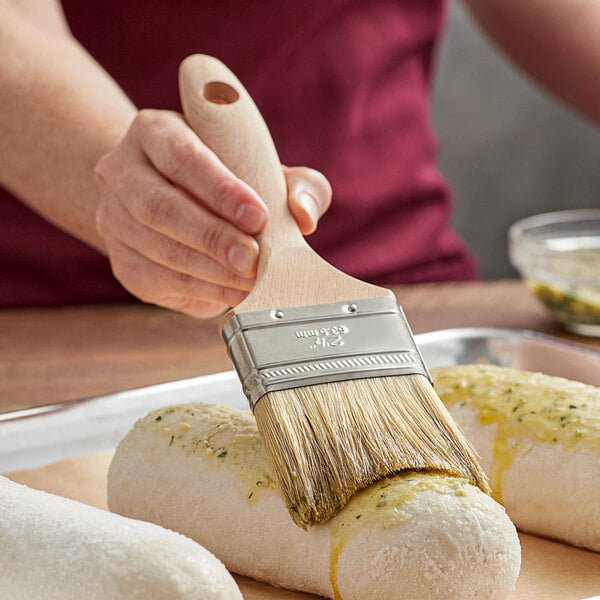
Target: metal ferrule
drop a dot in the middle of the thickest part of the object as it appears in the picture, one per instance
(286, 348)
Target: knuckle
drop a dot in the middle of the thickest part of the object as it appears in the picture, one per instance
(153, 210)
(147, 118)
(181, 156)
(212, 240)
(173, 148)
(176, 302)
(184, 304)
(150, 125)
(180, 288)
(221, 194)
(146, 124)
(183, 279)
(174, 254)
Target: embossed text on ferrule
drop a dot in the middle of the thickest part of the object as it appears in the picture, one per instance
(324, 337)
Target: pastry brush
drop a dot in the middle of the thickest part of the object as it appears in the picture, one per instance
(328, 363)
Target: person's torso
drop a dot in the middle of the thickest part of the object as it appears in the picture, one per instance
(343, 86)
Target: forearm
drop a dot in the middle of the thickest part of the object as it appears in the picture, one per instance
(556, 41)
(60, 113)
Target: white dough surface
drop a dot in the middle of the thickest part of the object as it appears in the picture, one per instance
(199, 469)
(52, 548)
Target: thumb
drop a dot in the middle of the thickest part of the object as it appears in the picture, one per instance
(309, 196)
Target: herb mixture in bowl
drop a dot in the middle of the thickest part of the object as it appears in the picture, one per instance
(558, 255)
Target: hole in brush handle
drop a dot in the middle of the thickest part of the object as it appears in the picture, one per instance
(219, 92)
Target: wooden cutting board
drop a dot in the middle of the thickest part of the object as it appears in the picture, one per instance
(550, 571)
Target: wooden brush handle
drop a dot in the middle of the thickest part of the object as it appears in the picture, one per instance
(222, 113)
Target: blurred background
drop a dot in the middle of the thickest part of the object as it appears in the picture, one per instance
(508, 150)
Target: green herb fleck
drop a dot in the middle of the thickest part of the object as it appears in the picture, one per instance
(250, 495)
(171, 442)
(381, 503)
(159, 418)
(358, 516)
(573, 406)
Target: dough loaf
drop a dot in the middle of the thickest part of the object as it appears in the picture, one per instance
(200, 470)
(53, 548)
(538, 437)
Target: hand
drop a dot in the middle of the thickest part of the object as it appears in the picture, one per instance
(178, 226)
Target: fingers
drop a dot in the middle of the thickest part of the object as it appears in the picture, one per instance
(178, 226)
(177, 153)
(160, 285)
(154, 202)
(163, 250)
(309, 196)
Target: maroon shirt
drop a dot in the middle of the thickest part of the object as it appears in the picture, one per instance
(344, 88)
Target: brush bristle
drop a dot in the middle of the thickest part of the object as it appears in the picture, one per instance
(325, 442)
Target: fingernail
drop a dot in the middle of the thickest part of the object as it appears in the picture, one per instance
(250, 218)
(308, 203)
(234, 297)
(241, 259)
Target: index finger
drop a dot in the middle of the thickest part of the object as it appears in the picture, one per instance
(180, 156)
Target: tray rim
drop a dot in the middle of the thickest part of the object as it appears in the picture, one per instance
(33, 437)
(433, 336)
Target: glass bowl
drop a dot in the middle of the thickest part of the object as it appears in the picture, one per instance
(558, 256)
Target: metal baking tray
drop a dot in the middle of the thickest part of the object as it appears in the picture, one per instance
(34, 437)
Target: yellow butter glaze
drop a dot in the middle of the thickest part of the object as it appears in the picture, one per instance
(525, 407)
(382, 506)
(502, 459)
(229, 437)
